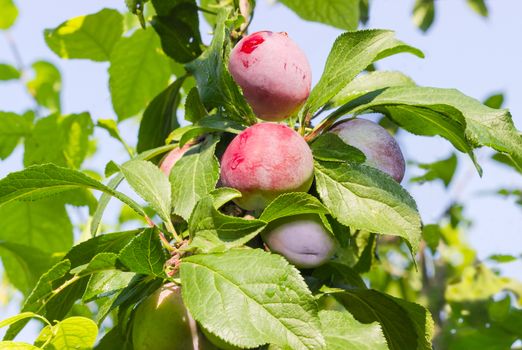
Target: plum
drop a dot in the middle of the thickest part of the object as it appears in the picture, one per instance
(273, 72)
(380, 148)
(264, 161)
(172, 157)
(161, 322)
(302, 240)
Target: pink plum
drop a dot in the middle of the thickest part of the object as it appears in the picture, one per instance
(380, 148)
(172, 157)
(302, 240)
(264, 161)
(273, 72)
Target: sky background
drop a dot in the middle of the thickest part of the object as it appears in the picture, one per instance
(464, 51)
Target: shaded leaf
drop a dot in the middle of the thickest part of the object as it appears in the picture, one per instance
(159, 118)
(216, 86)
(179, 30)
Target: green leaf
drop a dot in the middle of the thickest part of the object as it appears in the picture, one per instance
(372, 81)
(343, 14)
(179, 31)
(480, 283)
(115, 181)
(212, 231)
(44, 287)
(464, 121)
(405, 325)
(8, 72)
(60, 140)
(365, 198)
(502, 258)
(108, 243)
(106, 283)
(272, 304)
(330, 147)
(16, 345)
(21, 316)
(91, 37)
(39, 181)
(294, 203)
(210, 124)
(44, 225)
(506, 160)
(151, 184)
(12, 128)
(424, 14)
(100, 262)
(495, 101)
(432, 235)
(78, 333)
(159, 118)
(112, 128)
(145, 254)
(24, 264)
(342, 331)
(46, 85)
(216, 86)
(193, 177)
(138, 72)
(223, 195)
(351, 53)
(9, 14)
(440, 170)
(194, 108)
(479, 6)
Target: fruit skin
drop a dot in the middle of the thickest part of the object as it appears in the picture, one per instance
(161, 322)
(167, 163)
(302, 240)
(264, 161)
(380, 148)
(273, 72)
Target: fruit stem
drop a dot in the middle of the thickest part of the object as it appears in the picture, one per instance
(165, 242)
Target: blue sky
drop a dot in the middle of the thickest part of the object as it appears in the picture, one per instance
(477, 56)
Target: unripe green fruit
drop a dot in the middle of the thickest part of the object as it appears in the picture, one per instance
(218, 342)
(161, 322)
